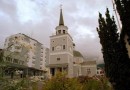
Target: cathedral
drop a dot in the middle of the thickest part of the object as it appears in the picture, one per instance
(63, 56)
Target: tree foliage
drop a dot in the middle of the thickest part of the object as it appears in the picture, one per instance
(61, 82)
(123, 8)
(115, 54)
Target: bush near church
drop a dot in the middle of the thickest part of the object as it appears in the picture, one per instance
(61, 82)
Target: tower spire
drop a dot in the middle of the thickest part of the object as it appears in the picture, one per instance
(61, 21)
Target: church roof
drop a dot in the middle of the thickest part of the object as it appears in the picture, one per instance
(61, 21)
(89, 63)
(77, 54)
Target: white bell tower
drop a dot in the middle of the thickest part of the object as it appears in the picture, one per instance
(61, 50)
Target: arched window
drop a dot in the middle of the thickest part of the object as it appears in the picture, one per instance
(63, 31)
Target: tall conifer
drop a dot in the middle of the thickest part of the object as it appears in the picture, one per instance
(116, 61)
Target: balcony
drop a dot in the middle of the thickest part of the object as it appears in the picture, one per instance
(33, 57)
(17, 48)
(33, 62)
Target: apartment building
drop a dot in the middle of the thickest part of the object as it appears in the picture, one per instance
(23, 50)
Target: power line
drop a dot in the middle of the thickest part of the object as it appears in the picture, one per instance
(118, 22)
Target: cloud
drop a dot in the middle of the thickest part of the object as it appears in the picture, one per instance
(8, 7)
(38, 19)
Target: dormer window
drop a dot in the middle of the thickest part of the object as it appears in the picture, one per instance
(63, 31)
(59, 31)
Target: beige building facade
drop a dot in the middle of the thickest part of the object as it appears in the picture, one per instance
(61, 50)
(83, 67)
(89, 68)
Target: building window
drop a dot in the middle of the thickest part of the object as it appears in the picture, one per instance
(59, 69)
(17, 47)
(88, 71)
(59, 31)
(8, 59)
(16, 37)
(63, 31)
(58, 59)
(65, 68)
(34, 57)
(16, 42)
(22, 62)
(15, 60)
(33, 62)
(41, 59)
(63, 46)
(52, 48)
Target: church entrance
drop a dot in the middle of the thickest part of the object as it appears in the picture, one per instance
(52, 71)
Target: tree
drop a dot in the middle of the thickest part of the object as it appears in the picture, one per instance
(124, 13)
(117, 63)
(2, 63)
(123, 7)
(1, 60)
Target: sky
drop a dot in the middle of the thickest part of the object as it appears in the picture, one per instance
(39, 18)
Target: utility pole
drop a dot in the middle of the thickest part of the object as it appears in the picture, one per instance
(114, 9)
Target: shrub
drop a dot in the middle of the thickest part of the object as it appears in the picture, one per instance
(99, 83)
(91, 85)
(61, 82)
(13, 84)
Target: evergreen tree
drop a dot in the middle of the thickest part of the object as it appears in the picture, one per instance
(116, 61)
(123, 8)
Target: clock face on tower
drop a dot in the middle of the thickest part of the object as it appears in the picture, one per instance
(58, 48)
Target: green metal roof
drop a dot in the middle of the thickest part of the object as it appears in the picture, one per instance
(77, 54)
(15, 65)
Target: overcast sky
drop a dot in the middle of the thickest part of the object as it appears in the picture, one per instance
(38, 19)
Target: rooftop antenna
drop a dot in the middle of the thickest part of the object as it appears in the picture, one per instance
(115, 10)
